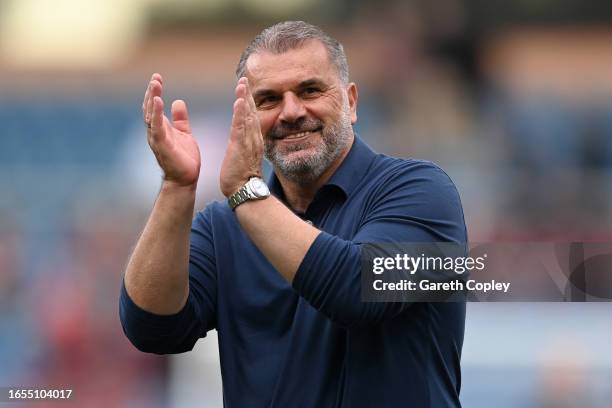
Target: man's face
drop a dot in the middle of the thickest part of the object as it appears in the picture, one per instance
(305, 112)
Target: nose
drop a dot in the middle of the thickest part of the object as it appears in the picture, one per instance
(292, 108)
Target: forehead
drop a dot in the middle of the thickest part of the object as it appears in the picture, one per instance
(310, 60)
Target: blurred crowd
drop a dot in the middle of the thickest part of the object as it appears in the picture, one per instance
(519, 114)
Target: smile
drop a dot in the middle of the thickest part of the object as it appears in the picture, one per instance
(300, 135)
(297, 135)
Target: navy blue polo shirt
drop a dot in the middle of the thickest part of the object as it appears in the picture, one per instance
(315, 343)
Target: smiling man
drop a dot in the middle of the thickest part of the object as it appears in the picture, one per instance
(278, 275)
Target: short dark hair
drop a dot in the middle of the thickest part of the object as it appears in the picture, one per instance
(289, 35)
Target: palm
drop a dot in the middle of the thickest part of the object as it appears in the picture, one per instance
(177, 151)
(172, 142)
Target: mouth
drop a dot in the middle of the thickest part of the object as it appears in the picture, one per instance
(299, 136)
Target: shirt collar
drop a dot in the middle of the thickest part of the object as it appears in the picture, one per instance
(347, 176)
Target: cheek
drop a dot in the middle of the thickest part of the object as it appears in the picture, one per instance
(327, 116)
(266, 121)
(327, 109)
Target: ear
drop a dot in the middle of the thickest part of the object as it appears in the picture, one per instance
(351, 91)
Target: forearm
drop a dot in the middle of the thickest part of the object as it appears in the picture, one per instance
(329, 276)
(279, 234)
(157, 275)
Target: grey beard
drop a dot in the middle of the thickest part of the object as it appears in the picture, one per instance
(306, 170)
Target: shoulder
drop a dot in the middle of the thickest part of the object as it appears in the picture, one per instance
(406, 167)
(416, 190)
(418, 176)
(418, 198)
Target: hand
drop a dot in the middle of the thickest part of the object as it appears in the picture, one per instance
(173, 144)
(244, 153)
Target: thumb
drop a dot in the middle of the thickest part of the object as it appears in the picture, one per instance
(180, 116)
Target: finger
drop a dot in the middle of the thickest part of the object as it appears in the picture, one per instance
(249, 97)
(252, 130)
(157, 119)
(241, 94)
(180, 116)
(155, 90)
(240, 91)
(145, 102)
(157, 77)
(237, 132)
(147, 96)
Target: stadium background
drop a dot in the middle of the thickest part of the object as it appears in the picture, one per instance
(513, 99)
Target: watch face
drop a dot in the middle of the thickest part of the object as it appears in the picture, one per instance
(259, 188)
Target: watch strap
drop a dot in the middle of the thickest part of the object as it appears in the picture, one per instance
(239, 197)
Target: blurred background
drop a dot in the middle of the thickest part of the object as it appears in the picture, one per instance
(512, 99)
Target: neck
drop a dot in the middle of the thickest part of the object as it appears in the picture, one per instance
(299, 195)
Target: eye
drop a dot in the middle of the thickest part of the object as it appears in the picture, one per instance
(267, 101)
(311, 91)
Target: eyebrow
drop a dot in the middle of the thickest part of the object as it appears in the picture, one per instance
(304, 84)
(311, 82)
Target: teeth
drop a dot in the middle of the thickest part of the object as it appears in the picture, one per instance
(297, 135)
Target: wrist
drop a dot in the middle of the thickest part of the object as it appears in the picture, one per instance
(254, 189)
(172, 187)
(228, 189)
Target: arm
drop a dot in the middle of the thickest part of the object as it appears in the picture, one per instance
(157, 309)
(421, 209)
(176, 333)
(156, 275)
(326, 270)
(278, 233)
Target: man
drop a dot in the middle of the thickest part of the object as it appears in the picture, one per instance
(278, 276)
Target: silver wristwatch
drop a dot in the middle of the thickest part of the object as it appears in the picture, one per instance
(254, 189)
